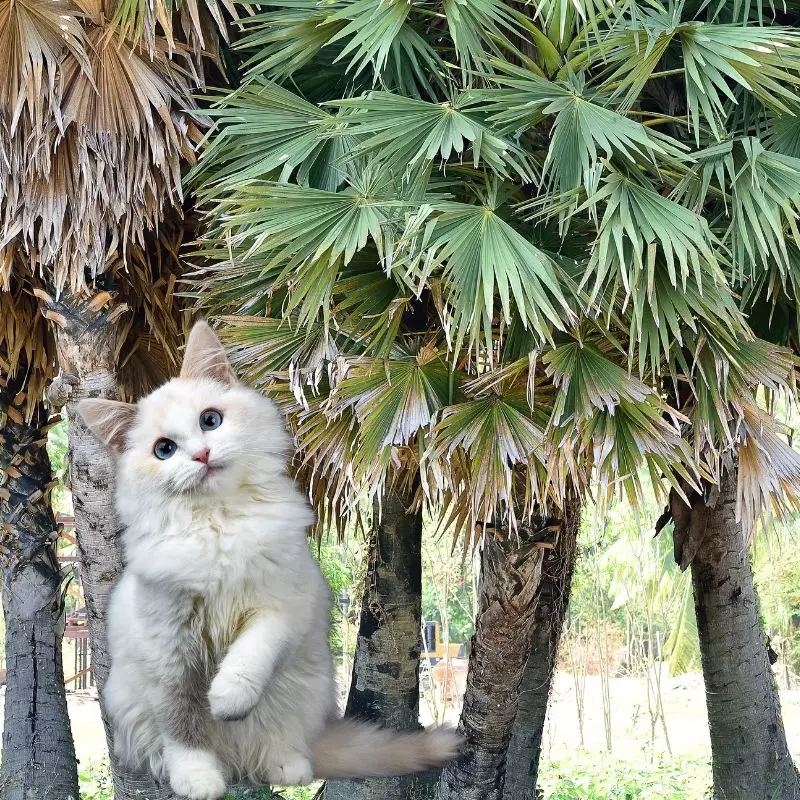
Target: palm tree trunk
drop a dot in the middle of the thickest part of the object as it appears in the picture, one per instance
(750, 758)
(38, 752)
(507, 593)
(86, 345)
(385, 680)
(522, 767)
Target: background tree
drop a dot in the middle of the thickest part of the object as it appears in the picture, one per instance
(534, 203)
(563, 240)
(38, 758)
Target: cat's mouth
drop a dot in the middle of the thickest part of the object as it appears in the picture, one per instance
(209, 470)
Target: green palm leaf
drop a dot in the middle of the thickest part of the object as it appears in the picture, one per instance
(391, 400)
(481, 257)
(431, 131)
(663, 316)
(370, 28)
(262, 128)
(582, 125)
(477, 28)
(764, 61)
(641, 230)
(764, 189)
(783, 136)
(262, 349)
(309, 233)
(287, 37)
(603, 414)
(481, 441)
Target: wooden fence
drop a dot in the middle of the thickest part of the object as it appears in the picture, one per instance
(75, 630)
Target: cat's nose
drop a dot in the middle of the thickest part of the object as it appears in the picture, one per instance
(202, 456)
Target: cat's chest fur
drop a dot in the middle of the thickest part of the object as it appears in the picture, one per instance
(226, 559)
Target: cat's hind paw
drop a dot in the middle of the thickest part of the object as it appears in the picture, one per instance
(296, 770)
(232, 697)
(195, 775)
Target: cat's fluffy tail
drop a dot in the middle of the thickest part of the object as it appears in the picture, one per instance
(354, 749)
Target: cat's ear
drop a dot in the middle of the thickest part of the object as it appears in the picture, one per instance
(108, 420)
(205, 357)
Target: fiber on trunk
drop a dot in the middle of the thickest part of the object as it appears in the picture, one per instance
(385, 680)
(38, 753)
(524, 751)
(507, 594)
(750, 758)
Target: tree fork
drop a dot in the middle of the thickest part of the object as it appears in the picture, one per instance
(86, 343)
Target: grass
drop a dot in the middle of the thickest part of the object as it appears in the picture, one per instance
(589, 776)
(585, 776)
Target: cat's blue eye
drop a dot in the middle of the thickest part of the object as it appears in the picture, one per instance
(210, 419)
(164, 449)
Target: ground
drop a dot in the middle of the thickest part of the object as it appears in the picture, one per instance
(630, 724)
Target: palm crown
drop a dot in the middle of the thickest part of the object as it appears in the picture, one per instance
(515, 249)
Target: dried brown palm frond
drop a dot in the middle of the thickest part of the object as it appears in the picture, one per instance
(34, 36)
(151, 334)
(769, 470)
(26, 341)
(190, 24)
(94, 130)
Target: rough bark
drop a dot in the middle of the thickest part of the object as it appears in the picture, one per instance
(38, 754)
(385, 680)
(86, 346)
(522, 766)
(750, 758)
(507, 594)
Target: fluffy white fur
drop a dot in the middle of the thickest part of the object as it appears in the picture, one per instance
(218, 627)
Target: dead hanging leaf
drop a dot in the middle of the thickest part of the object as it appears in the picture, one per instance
(34, 35)
(768, 471)
(95, 159)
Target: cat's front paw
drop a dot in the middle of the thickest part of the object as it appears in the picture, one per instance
(196, 775)
(232, 697)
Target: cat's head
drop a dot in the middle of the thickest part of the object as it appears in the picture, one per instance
(200, 433)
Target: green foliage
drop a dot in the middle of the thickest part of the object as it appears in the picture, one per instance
(448, 588)
(777, 576)
(95, 781)
(533, 206)
(592, 779)
(96, 784)
(633, 576)
(576, 779)
(339, 572)
(57, 446)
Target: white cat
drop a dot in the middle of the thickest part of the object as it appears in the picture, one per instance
(218, 627)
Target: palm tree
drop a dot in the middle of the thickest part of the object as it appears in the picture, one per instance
(548, 184)
(38, 752)
(385, 681)
(94, 131)
(524, 749)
